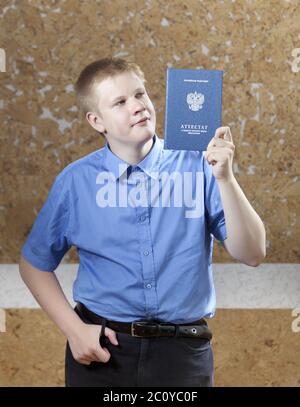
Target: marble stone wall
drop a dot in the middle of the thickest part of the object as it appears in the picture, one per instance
(48, 43)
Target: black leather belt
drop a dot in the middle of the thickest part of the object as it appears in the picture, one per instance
(149, 328)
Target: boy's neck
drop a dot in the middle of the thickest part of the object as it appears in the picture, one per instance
(130, 155)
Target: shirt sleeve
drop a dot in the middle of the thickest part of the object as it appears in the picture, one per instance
(48, 240)
(214, 213)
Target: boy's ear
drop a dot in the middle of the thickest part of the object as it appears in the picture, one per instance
(95, 121)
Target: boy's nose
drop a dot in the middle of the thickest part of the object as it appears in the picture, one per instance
(137, 112)
(138, 106)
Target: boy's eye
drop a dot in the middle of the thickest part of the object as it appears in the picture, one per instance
(123, 101)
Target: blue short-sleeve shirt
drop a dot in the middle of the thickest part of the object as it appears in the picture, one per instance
(144, 233)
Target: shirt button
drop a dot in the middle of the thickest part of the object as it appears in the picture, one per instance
(149, 286)
(146, 252)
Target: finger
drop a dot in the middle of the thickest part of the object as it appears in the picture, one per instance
(211, 143)
(218, 142)
(102, 355)
(218, 155)
(220, 151)
(223, 133)
(97, 356)
(211, 157)
(111, 335)
(85, 362)
(223, 143)
(210, 148)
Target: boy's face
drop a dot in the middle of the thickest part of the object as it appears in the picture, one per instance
(122, 101)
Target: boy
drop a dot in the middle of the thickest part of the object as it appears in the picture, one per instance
(144, 243)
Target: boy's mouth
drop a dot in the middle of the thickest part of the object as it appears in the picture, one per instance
(144, 119)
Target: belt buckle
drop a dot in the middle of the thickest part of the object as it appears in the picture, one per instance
(136, 324)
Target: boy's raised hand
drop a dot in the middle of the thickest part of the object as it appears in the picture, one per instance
(85, 346)
(219, 154)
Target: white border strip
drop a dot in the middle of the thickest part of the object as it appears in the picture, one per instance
(237, 286)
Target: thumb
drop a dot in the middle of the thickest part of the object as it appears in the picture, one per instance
(111, 335)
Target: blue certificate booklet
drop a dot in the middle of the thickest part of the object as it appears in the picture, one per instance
(193, 108)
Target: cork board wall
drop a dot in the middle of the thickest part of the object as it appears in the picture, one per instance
(48, 43)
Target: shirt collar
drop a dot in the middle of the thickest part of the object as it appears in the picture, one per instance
(149, 164)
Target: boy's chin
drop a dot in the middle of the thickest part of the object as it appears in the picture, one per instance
(146, 134)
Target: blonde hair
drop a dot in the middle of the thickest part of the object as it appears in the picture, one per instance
(95, 73)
